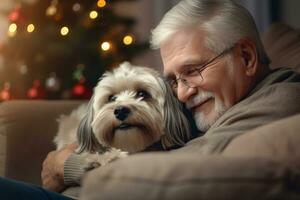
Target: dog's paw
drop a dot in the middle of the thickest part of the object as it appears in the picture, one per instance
(114, 154)
(96, 160)
(91, 165)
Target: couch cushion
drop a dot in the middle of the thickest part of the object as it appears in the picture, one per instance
(27, 129)
(282, 44)
(280, 138)
(189, 176)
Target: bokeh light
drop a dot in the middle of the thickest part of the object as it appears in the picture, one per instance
(30, 28)
(128, 40)
(105, 46)
(64, 31)
(93, 14)
(101, 3)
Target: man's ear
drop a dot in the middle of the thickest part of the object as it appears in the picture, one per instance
(247, 51)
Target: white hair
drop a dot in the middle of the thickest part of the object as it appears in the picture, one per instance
(223, 21)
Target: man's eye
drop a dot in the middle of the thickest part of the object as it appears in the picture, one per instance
(142, 94)
(191, 72)
(173, 83)
(111, 98)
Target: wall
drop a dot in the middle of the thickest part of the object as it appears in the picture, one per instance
(290, 12)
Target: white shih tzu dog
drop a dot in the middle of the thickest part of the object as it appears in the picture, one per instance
(132, 108)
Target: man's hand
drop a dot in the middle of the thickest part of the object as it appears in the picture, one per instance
(53, 168)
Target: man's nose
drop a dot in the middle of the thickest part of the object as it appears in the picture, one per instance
(184, 92)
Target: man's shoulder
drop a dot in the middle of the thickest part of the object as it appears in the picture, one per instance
(281, 75)
(277, 98)
(283, 80)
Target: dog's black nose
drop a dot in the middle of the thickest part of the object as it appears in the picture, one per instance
(121, 112)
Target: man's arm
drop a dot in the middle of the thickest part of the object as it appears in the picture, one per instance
(59, 164)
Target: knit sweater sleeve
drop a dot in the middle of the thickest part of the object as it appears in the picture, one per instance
(73, 170)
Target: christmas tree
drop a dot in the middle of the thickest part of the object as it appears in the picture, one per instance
(59, 48)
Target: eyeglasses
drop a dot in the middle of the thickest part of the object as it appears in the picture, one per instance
(192, 77)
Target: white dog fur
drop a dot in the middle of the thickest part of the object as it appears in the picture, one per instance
(131, 109)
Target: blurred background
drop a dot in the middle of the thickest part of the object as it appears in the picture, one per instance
(58, 49)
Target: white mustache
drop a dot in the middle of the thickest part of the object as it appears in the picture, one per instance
(200, 98)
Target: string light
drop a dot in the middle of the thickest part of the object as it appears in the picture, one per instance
(52, 9)
(127, 40)
(23, 69)
(30, 28)
(52, 82)
(36, 91)
(105, 46)
(32, 93)
(76, 7)
(64, 31)
(12, 29)
(14, 15)
(78, 90)
(101, 3)
(93, 14)
(5, 93)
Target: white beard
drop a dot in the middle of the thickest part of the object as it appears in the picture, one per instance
(204, 122)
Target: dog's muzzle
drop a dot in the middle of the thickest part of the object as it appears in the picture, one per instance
(121, 112)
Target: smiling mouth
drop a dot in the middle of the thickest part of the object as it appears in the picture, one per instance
(196, 107)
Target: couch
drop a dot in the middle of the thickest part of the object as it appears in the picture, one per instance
(261, 164)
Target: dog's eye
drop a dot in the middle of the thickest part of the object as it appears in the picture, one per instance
(112, 98)
(142, 94)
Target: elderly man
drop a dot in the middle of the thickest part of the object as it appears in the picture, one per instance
(217, 65)
(215, 62)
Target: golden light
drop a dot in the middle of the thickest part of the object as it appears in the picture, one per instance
(105, 46)
(64, 31)
(30, 28)
(127, 40)
(51, 10)
(101, 3)
(12, 29)
(93, 14)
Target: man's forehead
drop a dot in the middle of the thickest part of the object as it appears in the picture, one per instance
(182, 51)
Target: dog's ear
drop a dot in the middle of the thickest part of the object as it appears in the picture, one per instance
(85, 136)
(178, 127)
(102, 77)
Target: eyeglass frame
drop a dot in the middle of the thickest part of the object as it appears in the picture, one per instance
(199, 70)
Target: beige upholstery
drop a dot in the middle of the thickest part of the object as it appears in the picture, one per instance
(282, 44)
(26, 132)
(189, 177)
(281, 138)
(247, 169)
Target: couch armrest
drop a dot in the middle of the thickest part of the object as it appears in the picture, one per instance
(282, 44)
(27, 129)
